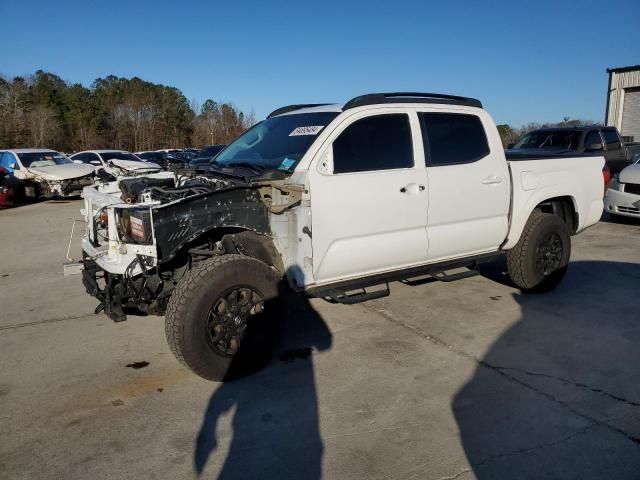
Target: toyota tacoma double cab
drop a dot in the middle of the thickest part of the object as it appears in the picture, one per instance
(332, 201)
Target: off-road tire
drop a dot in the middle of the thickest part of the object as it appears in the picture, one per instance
(522, 258)
(189, 309)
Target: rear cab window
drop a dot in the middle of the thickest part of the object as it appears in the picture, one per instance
(452, 138)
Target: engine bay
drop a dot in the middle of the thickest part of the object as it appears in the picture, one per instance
(152, 189)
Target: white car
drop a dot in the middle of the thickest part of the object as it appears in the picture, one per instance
(117, 163)
(333, 199)
(623, 194)
(46, 173)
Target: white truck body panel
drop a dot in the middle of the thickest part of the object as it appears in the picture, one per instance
(362, 222)
(469, 203)
(535, 181)
(354, 225)
(471, 209)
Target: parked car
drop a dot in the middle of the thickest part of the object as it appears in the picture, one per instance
(206, 155)
(165, 158)
(633, 150)
(186, 155)
(6, 189)
(170, 150)
(116, 163)
(623, 194)
(591, 139)
(332, 200)
(151, 156)
(44, 173)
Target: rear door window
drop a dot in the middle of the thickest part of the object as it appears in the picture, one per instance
(381, 142)
(452, 138)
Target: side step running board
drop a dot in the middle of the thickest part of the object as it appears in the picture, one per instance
(350, 299)
(452, 277)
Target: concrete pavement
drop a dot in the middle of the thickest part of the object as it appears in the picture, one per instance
(438, 381)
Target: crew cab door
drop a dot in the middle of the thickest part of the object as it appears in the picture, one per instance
(368, 197)
(469, 184)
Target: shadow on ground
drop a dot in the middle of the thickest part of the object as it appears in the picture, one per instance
(275, 412)
(558, 394)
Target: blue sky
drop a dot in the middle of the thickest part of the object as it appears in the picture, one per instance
(527, 61)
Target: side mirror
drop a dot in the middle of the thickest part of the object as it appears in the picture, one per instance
(13, 165)
(511, 145)
(78, 161)
(594, 147)
(95, 162)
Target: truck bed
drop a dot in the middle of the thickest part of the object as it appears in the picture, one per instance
(540, 177)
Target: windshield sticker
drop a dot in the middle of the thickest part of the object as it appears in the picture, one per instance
(286, 164)
(310, 130)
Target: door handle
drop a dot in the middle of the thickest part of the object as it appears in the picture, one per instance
(491, 180)
(413, 188)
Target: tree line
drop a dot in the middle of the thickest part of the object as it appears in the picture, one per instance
(42, 110)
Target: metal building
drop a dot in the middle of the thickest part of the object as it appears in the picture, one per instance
(623, 102)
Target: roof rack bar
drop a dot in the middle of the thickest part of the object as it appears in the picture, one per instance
(291, 108)
(410, 97)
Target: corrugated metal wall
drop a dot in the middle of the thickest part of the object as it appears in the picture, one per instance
(631, 115)
(619, 82)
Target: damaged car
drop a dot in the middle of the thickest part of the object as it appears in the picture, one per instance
(332, 201)
(623, 195)
(44, 173)
(111, 164)
(7, 188)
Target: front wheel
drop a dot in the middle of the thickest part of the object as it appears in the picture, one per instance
(539, 261)
(223, 318)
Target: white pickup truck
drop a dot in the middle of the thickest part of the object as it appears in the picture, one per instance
(332, 201)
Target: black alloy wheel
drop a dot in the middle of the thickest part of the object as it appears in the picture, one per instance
(229, 316)
(549, 254)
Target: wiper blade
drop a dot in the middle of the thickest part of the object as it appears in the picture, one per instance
(214, 167)
(256, 168)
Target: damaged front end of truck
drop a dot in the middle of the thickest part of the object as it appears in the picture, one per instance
(38, 187)
(145, 233)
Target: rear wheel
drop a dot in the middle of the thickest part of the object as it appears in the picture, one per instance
(224, 317)
(539, 261)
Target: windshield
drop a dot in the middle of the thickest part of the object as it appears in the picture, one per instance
(211, 151)
(550, 140)
(276, 143)
(119, 156)
(200, 160)
(42, 159)
(151, 156)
